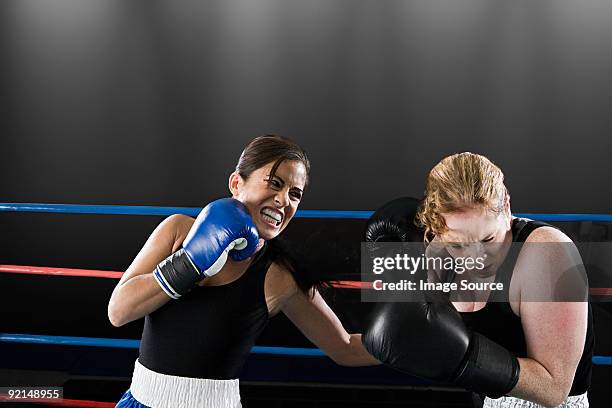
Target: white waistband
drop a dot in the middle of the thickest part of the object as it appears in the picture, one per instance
(575, 401)
(161, 390)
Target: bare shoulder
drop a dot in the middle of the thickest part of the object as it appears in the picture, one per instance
(180, 221)
(167, 237)
(549, 268)
(547, 244)
(281, 278)
(280, 286)
(177, 226)
(547, 234)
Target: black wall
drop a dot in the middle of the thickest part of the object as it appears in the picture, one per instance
(150, 102)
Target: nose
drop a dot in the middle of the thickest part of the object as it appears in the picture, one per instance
(282, 198)
(475, 250)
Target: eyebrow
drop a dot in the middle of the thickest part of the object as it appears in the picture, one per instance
(455, 240)
(283, 183)
(451, 237)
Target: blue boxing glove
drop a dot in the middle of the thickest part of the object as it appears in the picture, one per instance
(223, 228)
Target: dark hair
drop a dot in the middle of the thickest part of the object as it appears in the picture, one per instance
(259, 152)
(267, 149)
(290, 255)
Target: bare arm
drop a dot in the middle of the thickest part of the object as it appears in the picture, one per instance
(547, 375)
(320, 325)
(137, 293)
(554, 331)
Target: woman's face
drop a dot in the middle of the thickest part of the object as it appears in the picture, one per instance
(477, 232)
(272, 202)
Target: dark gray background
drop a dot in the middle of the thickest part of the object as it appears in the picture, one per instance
(151, 101)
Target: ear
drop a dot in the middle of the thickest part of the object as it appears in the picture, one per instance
(507, 210)
(235, 184)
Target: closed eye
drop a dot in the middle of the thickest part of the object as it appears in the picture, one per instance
(274, 182)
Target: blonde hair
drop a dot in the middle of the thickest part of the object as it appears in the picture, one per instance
(460, 181)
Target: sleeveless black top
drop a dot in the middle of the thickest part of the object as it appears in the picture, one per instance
(498, 322)
(208, 332)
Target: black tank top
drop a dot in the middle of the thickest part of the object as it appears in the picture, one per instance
(498, 322)
(208, 332)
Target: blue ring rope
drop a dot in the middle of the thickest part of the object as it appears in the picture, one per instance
(134, 344)
(124, 343)
(194, 211)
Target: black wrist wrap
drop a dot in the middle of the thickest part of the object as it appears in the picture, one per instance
(489, 368)
(176, 274)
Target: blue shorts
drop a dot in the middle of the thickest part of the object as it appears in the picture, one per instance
(128, 401)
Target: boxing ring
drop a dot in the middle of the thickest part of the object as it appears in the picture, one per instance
(70, 298)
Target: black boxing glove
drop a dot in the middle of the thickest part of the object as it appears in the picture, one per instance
(394, 222)
(428, 339)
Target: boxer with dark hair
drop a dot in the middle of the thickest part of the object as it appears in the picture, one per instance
(207, 287)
